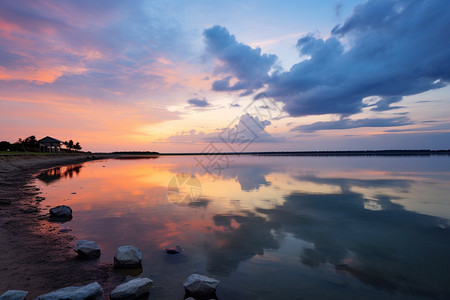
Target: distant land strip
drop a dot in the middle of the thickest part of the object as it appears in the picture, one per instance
(326, 153)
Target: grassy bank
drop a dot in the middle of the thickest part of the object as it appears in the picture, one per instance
(40, 153)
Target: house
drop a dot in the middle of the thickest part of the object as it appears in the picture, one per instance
(49, 144)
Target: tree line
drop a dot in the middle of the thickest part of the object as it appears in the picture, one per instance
(31, 144)
(71, 146)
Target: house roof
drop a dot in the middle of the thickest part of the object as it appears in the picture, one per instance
(49, 139)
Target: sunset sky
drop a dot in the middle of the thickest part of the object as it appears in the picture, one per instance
(176, 76)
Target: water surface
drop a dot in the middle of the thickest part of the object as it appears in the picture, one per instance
(270, 227)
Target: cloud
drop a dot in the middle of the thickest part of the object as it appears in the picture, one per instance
(385, 49)
(437, 127)
(106, 46)
(338, 9)
(384, 104)
(242, 132)
(249, 128)
(395, 49)
(86, 55)
(198, 102)
(237, 61)
(346, 123)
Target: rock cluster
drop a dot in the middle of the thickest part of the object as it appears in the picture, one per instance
(196, 285)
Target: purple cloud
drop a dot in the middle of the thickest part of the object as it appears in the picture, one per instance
(387, 49)
(246, 128)
(198, 102)
(384, 104)
(346, 123)
(238, 60)
(395, 49)
(100, 50)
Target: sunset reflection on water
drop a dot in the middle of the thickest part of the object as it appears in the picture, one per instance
(271, 227)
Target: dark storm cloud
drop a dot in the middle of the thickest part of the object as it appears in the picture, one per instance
(199, 102)
(387, 49)
(245, 64)
(348, 124)
(396, 48)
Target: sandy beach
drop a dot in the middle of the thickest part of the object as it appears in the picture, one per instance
(35, 256)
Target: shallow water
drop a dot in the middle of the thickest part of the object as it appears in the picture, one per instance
(270, 227)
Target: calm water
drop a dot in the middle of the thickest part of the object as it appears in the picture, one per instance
(270, 227)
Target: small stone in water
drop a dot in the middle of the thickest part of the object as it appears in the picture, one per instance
(61, 211)
(175, 250)
(128, 257)
(132, 289)
(88, 249)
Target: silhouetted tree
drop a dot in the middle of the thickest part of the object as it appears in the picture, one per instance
(28, 144)
(68, 144)
(71, 146)
(77, 146)
(5, 146)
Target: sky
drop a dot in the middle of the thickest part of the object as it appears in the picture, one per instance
(229, 76)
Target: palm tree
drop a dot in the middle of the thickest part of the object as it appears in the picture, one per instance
(77, 146)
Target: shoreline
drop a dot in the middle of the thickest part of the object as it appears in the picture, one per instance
(35, 255)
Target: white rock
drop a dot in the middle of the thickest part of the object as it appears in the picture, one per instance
(200, 285)
(92, 291)
(61, 211)
(88, 249)
(14, 295)
(132, 289)
(128, 256)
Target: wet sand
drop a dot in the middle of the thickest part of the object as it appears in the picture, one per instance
(34, 255)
